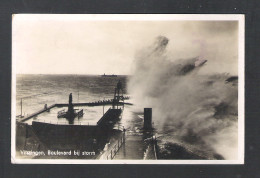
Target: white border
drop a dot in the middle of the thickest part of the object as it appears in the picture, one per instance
(142, 17)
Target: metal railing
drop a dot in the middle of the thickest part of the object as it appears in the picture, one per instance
(94, 103)
(63, 122)
(154, 142)
(152, 146)
(116, 147)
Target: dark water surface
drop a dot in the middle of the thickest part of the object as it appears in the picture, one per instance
(37, 90)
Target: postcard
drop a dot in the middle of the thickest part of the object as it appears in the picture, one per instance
(127, 89)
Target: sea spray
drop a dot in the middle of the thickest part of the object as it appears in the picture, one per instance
(196, 112)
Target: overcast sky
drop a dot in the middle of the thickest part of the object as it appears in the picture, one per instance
(58, 44)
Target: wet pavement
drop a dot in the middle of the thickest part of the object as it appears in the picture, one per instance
(133, 148)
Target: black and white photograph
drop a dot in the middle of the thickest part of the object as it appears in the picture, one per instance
(127, 89)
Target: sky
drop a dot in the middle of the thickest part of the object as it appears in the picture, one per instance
(83, 44)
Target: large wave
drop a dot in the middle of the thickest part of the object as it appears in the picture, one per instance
(195, 111)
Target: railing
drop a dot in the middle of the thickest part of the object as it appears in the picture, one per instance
(119, 127)
(154, 142)
(38, 112)
(115, 148)
(64, 122)
(111, 151)
(152, 147)
(95, 103)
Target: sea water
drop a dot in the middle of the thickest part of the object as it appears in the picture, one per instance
(37, 90)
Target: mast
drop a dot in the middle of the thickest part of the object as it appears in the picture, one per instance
(78, 88)
(104, 106)
(78, 94)
(21, 107)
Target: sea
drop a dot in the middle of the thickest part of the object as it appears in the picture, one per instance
(33, 91)
(37, 90)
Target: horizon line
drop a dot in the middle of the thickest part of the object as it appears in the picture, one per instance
(65, 74)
